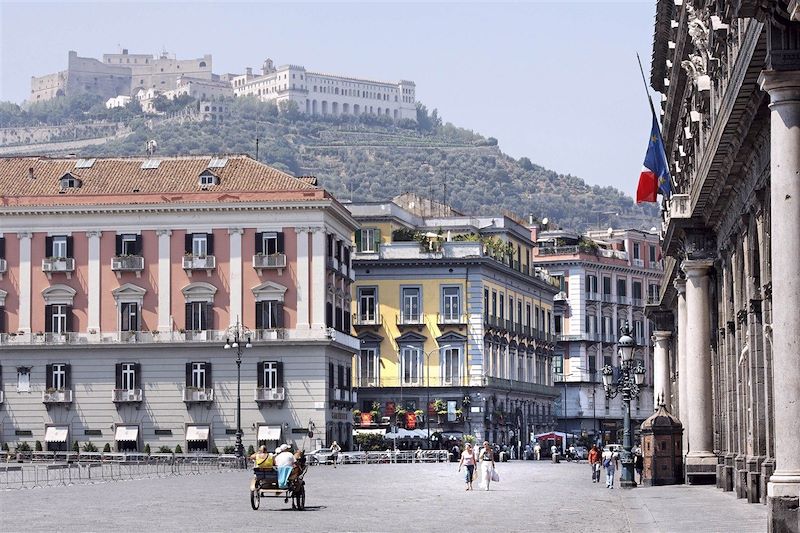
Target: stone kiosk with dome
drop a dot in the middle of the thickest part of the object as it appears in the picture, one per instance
(662, 436)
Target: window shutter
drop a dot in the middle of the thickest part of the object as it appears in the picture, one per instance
(279, 367)
(188, 374)
(118, 245)
(259, 315)
(68, 319)
(376, 244)
(118, 376)
(358, 240)
(331, 377)
(209, 381)
(341, 377)
(137, 375)
(136, 317)
(280, 249)
(67, 376)
(209, 321)
(188, 321)
(279, 314)
(48, 376)
(349, 384)
(2, 247)
(139, 245)
(2, 320)
(260, 375)
(209, 243)
(259, 243)
(48, 318)
(70, 251)
(48, 247)
(187, 243)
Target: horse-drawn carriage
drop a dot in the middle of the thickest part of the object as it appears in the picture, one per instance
(280, 482)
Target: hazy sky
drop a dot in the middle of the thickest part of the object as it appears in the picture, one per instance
(557, 82)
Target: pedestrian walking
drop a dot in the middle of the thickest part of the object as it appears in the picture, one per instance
(595, 459)
(468, 461)
(638, 464)
(610, 463)
(528, 452)
(335, 449)
(486, 457)
(537, 451)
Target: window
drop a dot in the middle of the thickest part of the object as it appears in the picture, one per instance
(606, 285)
(502, 306)
(198, 375)
(637, 290)
(411, 365)
(198, 316)
(127, 376)
(451, 366)
(57, 376)
(519, 311)
(558, 364)
(636, 253)
(494, 303)
(451, 303)
(269, 314)
(59, 247)
(591, 284)
(367, 305)
(129, 316)
(511, 309)
(411, 305)
(270, 375)
(208, 178)
(199, 244)
(23, 379)
(528, 315)
(485, 302)
(57, 318)
(368, 240)
(622, 287)
(128, 244)
(653, 258)
(368, 367)
(269, 243)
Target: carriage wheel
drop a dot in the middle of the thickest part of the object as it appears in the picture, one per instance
(255, 499)
(299, 500)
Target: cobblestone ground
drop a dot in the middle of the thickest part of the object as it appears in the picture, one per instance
(393, 497)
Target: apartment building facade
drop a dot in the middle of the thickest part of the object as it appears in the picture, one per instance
(124, 279)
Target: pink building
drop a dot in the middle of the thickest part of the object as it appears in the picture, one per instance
(122, 278)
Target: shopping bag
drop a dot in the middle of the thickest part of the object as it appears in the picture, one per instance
(495, 476)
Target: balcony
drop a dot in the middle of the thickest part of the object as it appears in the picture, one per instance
(195, 395)
(54, 396)
(367, 320)
(332, 263)
(128, 263)
(451, 319)
(268, 262)
(2, 397)
(557, 250)
(3, 267)
(638, 263)
(623, 300)
(270, 395)
(416, 319)
(52, 265)
(199, 262)
(637, 302)
(275, 334)
(341, 396)
(608, 299)
(126, 395)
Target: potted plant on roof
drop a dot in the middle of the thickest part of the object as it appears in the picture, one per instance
(400, 415)
(440, 407)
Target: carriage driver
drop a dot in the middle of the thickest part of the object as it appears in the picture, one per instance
(262, 459)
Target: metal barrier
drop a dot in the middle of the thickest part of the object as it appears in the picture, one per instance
(65, 469)
(395, 456)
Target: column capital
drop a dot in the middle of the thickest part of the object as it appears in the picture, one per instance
(234, 231)
(783, 86)
(661, 335)
(95, 233)
(24, 235)
(163, 232)
(696, 267)
(794, 10)
(680, 285)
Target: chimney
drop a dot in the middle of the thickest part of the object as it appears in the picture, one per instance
(249, 71)
(30, 173)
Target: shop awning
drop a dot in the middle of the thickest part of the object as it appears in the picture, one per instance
(126, 434)
(197, 433)
(269, 433)
(408, 434)
(372, 431)
(56, 434)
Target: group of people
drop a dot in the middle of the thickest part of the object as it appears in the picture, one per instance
(484, 460)
(288, 465)
(609, 460)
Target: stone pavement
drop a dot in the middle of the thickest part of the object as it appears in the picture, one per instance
(385, 497)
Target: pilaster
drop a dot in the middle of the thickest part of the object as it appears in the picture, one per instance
(25, 281)
(235, 274)
(164, 280)
(318, 282)
(93, 283)
(303, 282)
(683, 412)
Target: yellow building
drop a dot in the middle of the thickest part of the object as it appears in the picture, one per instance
(455, 324)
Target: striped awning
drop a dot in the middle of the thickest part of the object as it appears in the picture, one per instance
(126, 434)
(269, 433)
(197, 433)
(372, 431)
(56, 434)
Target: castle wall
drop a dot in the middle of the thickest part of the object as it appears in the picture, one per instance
(86, 75)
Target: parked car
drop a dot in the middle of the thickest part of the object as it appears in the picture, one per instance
(320, 456)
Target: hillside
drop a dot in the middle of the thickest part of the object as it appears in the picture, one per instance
(371, 158)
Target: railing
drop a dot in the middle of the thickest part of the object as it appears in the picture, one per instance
(3, 265)
(638, 263)
(57, 396)
(270, 334)
(410, 320)
(197, 262)
(653, 299)
(623, 300)
(366, 320)
(126, 395)
(128, 263)
(420, 381)
(2, 397)
(524, 386)
(451, 319)
(608, 298)
(58, 264)
(557, 250)
(268, 261)
(637, 302)
(198, 395)
(593, 296)
(332, 263)
(270, 395)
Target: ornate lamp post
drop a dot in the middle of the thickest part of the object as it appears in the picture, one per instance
(628, 380)
(234, 336)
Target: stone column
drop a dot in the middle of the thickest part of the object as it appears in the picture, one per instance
(784, 485)
(700, 460)
(236, 275)
(317, 286)
(164, 283)
(93, 285)
(25, 281)
(303, 282)
(683, 414)
(661, 382)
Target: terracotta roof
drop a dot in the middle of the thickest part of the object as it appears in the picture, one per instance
(123, 176)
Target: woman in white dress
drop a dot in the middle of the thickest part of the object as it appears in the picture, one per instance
(486, 458)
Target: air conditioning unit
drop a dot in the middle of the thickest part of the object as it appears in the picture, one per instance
(201, 396)
(275, 395)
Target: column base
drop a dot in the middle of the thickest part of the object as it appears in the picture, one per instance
(754, 478)
(767, 468)
(701, 468)
(783, 503)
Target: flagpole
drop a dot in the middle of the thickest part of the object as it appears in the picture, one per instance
(653, 110)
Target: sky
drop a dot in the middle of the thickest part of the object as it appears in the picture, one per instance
(557, 82)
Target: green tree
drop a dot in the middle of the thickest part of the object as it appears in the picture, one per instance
(178, 449)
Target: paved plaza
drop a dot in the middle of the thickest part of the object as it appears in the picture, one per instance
(384, 497)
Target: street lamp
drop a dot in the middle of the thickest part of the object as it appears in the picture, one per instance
(428, 386)
(234, 336)
(628, 382)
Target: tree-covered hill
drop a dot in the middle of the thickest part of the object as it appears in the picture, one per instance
(374, 158)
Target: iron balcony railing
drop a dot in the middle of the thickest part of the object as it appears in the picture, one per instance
(415, 319)
(269, 261)
(3, 266)
(199, 262)
(126, 395)
(58, 264)
(361, 319)
(128, 263)
(192, 394)
(57, 396)
(451, 318)
(277, 394)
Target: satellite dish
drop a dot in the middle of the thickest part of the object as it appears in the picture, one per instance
(545, 220)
